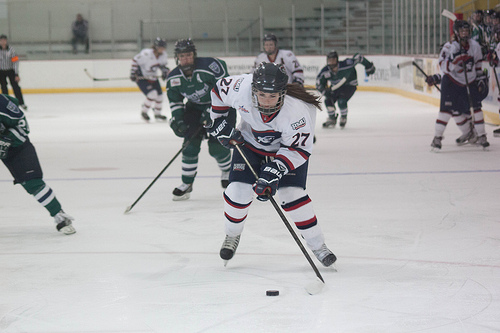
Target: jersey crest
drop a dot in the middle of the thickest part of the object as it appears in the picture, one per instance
(266, 138)
(215, 67)
(175, 82)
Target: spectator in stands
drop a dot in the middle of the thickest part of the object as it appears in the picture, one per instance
(9, 68)
(80, 29)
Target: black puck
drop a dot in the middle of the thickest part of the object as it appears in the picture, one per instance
(272, 293)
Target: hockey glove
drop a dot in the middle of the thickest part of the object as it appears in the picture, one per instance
(5, 143)
(164, 73)
(269, 177)
(492, 58)
(227, 135)
(433, 79)
(178, 125)
(205, 118)
(370, 69)
(133, 77)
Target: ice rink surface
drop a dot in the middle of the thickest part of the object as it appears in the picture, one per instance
(416, 233)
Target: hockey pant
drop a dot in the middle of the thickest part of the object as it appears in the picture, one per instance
(23, 164)
(294, 200)
(190, 157)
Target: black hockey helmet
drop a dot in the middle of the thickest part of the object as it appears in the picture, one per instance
(269, 78)
(332, 54)
(458, 27)
(270, 37)
(160, 42)
(184, 46)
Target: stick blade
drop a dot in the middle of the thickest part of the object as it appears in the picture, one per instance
(315, 287)
(448, 14)
(127, 210)
(405, 64)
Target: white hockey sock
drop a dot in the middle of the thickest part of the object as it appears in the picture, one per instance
(237, 199)
(479, 122)
(441, 122)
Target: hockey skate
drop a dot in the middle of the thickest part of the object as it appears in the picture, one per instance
(145, 116)
(481, 140)
(325, 256)
(224, 179)
(160, 117)
(331, 121)
(343, 121)
(496, 133)
(229, 248)
(468, 137)
(436, 142)
(182, 192)
(64, 223)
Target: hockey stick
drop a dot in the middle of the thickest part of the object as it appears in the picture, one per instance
(184, 145)
(448, 14)
(405, 64)
(117, 78)
(422, 71)
(471, 108)
(338, 84)
(314, 287)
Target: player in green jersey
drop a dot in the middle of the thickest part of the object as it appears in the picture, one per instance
(337, 81)
(193, 79)
(19, 156)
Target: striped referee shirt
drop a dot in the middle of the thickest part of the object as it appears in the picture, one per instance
(9, 60)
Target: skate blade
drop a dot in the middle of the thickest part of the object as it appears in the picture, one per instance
(225, 262)
(181, 197)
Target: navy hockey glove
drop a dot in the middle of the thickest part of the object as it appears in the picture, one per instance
(227, 135)
(370, 69)
(178, 125)
(133, 77)
(5, 143)
(269, 177)
(164, 73)
(433, 79)
(205, 118)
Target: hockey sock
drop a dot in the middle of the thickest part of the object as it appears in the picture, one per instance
(43, 194)
(441, 122)
(189, 168)
(479, 122)
(463, 123)
(234, 210)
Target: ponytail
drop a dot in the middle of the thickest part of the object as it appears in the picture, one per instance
(299, 92)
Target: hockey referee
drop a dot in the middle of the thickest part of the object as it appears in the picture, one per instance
(9, 68)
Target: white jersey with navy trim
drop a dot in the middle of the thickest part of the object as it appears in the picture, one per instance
(286, 58)
(287, 135)
(450, 61)
(149, 63)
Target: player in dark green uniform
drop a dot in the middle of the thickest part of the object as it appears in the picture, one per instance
(19, 156)
(193, 79)
(337, 81)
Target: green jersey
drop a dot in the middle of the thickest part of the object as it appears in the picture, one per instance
(327, 78)
(196, 89)
(13, 124)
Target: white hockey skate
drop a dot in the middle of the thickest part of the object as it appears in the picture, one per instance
(64, 223)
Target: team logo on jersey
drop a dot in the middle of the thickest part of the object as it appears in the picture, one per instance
(266, 138)
(175, 82)
(12, 107)
(239, 166)
(199, 78)
(214, 67)
(299, 124)
(237, 84)
(242, 109)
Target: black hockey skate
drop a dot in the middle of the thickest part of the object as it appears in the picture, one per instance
(182, 192)
(436, 142)
(229, 248)
(481, 140)
(331, 122)
(145, 116)
(224, 179)
(343, 121)
(160, 117)
(325, 256)
(468, 137)
(496, 133)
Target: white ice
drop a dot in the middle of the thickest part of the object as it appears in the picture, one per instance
(416, 233)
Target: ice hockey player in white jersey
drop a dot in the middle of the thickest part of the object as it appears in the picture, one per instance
(144, 72)
(493, 58)
(460, 53)
(275, 133)
(284, 57)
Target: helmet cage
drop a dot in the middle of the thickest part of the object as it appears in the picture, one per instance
(458, 27)
(269, 78)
